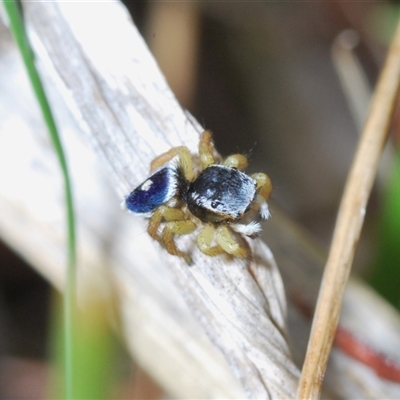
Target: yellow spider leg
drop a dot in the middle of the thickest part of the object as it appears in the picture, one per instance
(264, 185)
(176, 225)
(264, 188)
(204, 240)
(176, 228)
(238, 161)
(228, 243)
(163, 213)
(185, 161)
(206, 149)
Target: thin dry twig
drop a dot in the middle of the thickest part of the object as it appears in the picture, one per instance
(349, 223)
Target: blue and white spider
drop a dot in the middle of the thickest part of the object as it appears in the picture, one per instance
(220, 199)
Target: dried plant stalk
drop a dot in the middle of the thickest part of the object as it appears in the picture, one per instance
(349, 223)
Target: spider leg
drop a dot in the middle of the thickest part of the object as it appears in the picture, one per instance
(228, 243)
(173, 228)
(264, 185)
(185, 161)
(176, 224)
(206, 149)
(264, 188)
(238, 161)
(163, 213)
(204, 240)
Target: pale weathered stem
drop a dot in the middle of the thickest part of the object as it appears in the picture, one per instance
(349, 223)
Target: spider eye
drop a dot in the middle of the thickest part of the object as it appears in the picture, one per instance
(215, 204)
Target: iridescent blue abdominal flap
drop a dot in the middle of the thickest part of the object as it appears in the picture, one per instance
(156, 190)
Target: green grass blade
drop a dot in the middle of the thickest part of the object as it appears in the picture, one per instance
(18, 30)
(96, 369)
(385, 276)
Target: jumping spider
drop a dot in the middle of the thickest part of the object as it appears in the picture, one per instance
(221, 198)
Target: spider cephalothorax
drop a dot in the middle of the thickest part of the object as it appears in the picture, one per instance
(219, 199)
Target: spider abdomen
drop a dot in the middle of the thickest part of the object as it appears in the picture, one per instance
(155, 191)
(220, 193)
